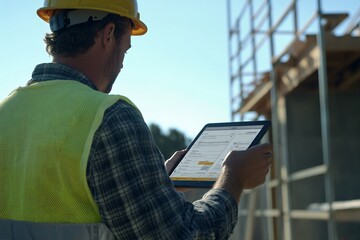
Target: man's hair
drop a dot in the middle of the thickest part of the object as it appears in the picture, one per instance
(79, 38)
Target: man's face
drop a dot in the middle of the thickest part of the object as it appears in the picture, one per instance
(116, 59)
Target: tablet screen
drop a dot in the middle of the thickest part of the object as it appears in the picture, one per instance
(201, 165)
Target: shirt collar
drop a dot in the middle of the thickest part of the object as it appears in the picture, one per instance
(57, 71)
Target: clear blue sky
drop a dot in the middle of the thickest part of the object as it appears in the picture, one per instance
(177, 74)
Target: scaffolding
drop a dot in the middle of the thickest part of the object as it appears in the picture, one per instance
(275, 59)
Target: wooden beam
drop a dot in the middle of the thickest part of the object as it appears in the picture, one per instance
(342, 44)
(333, 20)
(348, 82)
(259, 93)
(306, 66)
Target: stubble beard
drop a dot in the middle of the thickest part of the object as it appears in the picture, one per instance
(112, 71)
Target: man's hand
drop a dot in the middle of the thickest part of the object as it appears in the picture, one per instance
(170, 163)
(245, 169)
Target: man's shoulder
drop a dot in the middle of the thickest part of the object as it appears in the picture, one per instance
(123, 109)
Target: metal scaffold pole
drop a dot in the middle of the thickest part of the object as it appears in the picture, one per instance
(325, 128)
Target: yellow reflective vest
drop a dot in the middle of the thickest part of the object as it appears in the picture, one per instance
(46, 134)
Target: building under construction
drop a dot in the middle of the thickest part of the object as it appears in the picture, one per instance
(297, 64)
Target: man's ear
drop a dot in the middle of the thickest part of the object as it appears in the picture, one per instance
(108, 33)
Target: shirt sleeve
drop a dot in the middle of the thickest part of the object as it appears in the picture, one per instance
(135, 196)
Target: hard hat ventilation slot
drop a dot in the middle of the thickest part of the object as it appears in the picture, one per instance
(65, 19)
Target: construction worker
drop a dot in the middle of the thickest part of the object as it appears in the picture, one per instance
(78, 163)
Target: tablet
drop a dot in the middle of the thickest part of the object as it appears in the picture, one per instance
(201, 165)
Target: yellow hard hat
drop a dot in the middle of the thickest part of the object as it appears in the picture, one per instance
(125, 8)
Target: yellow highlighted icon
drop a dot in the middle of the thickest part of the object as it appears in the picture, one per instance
(205, 163)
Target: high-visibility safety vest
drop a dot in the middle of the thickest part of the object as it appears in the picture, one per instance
(46, 132)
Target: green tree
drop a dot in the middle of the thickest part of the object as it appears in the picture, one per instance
(169, 142)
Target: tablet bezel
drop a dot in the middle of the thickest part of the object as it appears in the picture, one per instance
(208, 184)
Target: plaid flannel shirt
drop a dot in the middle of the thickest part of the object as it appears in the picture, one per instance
(129, 182)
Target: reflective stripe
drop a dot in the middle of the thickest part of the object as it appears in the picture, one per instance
(20, 230)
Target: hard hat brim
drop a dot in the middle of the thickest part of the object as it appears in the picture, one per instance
(140, 28)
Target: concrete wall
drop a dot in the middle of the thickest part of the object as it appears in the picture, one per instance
(304, 147)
